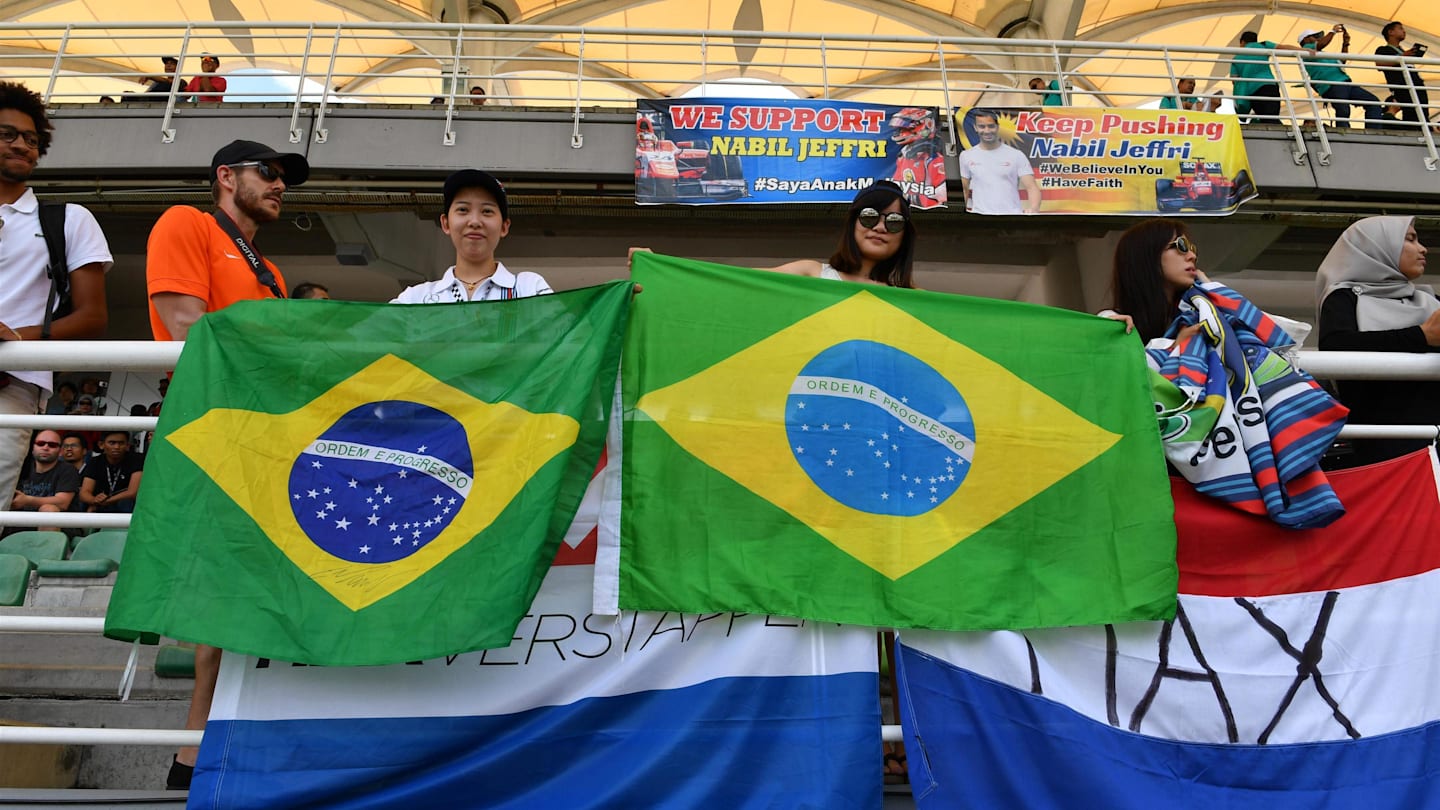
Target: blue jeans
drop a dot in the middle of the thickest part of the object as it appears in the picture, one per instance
(1341, 94)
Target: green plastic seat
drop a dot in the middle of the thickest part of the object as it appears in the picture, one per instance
(14, 579)
(96, 555)
(35, 545)
(175, 662)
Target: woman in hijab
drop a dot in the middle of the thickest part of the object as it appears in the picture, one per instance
(1369, 303)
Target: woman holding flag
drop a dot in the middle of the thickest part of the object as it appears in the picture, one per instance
(878, 245)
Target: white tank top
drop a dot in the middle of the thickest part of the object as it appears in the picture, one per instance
(826, 271)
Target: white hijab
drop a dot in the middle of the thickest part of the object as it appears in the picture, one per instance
(1366, 261)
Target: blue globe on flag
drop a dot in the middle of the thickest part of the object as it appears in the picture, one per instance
(382, 482)
(878, 430)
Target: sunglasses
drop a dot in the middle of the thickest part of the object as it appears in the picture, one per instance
(265, 170)
(894, 221)
(1184, 244)
(47, 444)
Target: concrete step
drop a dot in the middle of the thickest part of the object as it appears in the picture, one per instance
(117, 767)
(77, 664)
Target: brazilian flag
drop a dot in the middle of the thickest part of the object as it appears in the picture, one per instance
(862, 454)
(352, 484)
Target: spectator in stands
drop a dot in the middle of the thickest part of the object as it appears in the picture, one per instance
(1187, 100)
(1155, 262)
(207, 86)
(25, 134)
(1414, 107)
(1050, 95)
(159, 85)
(194, 266)
(477, 96)
(113, 480)
(1332, 82)
(108, 100)
(992, 173)
(1368, 302)
(476, 218)
(49, 485)
(1392, 115)
(84, 406)
(309, 289)
(75, 452)
(1254, 77)
(63, 400)
(877, 245)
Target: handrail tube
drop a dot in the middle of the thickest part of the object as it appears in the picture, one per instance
(43, 735)
(20, 623)
(86, 355)
(67, 520)
(77, 422)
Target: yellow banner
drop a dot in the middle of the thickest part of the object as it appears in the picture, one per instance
(1063, 160)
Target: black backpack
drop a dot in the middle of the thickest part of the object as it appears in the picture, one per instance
(52, 225)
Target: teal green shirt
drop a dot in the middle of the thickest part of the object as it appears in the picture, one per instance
(1053, 98)
(1252, 71)
(1170, 102)
(1324, 72)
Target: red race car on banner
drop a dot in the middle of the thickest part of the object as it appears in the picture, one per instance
(676, 171)
(1203, 186)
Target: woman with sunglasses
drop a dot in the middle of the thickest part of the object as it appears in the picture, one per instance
(878, 246)
(1154, 265)
(1368, 302)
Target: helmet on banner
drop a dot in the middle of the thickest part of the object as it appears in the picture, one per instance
(912, 125)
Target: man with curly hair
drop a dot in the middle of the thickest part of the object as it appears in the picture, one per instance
(26, 295)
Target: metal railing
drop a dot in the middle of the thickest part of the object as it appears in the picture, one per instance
(324, 66)
(159, 356)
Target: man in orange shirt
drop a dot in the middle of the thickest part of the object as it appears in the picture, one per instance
(198, 263)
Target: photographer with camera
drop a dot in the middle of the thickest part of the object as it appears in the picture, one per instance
(1413, 108)
(1333, 83)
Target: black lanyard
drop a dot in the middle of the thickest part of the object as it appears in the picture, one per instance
(256, 261)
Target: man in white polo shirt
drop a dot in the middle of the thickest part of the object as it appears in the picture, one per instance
(992, 173)
(476, 218)
(26, 290)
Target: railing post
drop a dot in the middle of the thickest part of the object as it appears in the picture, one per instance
(1325, 151)
(321, 133)
(55, 68)
(1425, 133)
(824, 70)
(449, 138)
(296, 135)
(952, 147)
(704, 65)
(1060, 77)
(577, 138)
(167, 132)
(1174, 83)
(1298, 152)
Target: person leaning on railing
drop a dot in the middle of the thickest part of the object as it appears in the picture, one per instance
(1368, 302)
(1257, 94)
(1414, 108)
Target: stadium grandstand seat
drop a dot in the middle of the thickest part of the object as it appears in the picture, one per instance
(96, 555)
(14, 579)
(35, 545)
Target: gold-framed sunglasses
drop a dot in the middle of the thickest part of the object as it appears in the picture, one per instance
(894, 221)
(1184, 244)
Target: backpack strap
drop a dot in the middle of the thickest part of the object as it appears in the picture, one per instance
(52, 225)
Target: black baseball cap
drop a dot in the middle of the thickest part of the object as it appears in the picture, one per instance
(297, 168)
(474, 178)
